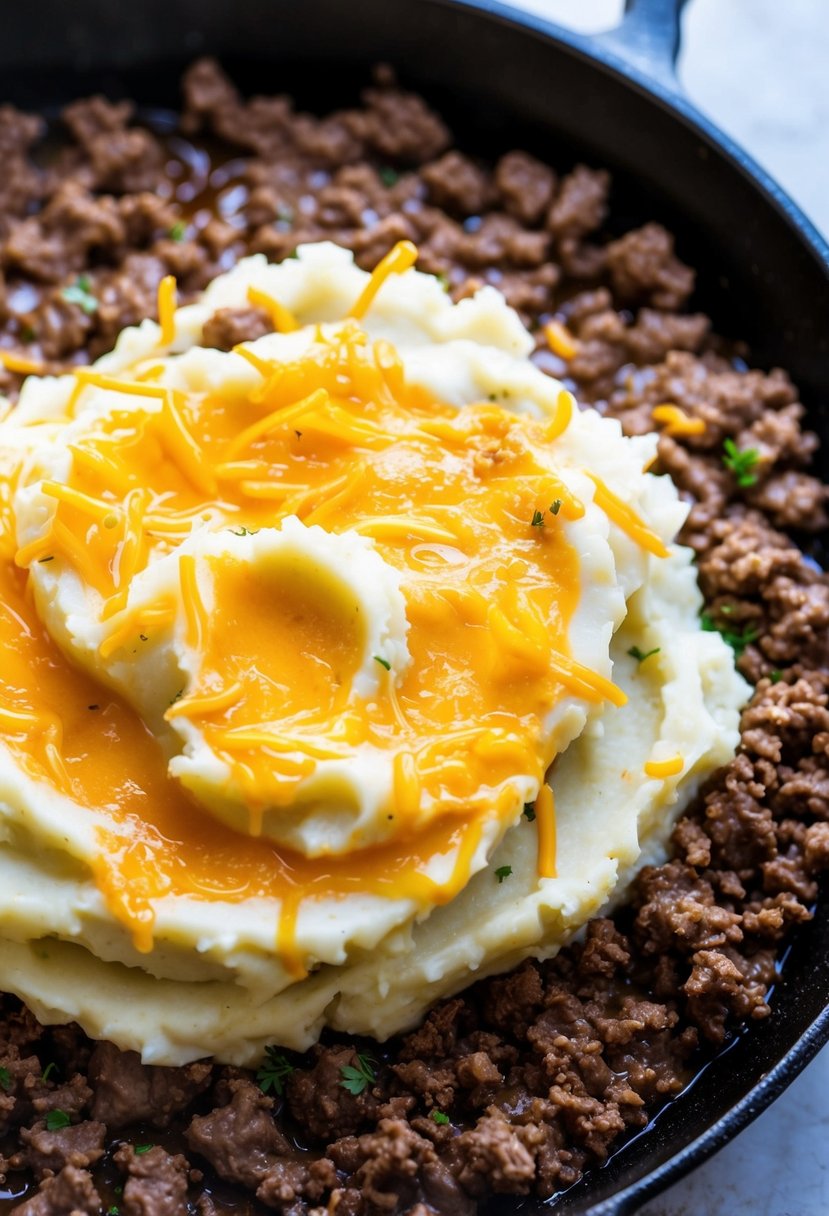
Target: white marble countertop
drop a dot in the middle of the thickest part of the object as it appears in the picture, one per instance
(759, 69)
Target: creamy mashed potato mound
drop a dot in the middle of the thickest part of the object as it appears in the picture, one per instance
(322, 688)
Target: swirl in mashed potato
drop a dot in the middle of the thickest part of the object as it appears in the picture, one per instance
(291, 636)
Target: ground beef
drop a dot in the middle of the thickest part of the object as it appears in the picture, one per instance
(527, 1080)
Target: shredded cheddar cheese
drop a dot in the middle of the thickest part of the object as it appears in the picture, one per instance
(626, 518)
(282, 319)
(22, 364)
(677, 421)
(398, 260)
(167, 309)
(660, 769)
(560, 341)
(545, 818)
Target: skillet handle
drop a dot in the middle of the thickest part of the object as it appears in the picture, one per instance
(648, 40)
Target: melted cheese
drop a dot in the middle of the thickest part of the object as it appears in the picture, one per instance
(337, 437)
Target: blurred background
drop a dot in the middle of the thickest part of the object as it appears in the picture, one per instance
(760, 70)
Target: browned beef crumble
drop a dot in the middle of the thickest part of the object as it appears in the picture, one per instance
(526, 1080)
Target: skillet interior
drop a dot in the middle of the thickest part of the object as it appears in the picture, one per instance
(503, 84)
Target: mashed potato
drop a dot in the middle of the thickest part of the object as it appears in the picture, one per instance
(291, 636)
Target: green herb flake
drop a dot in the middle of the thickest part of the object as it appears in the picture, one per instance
(178, 696)
(555, 507)
(537, 520)
(140, 1149)
(440, 1118)
(80, 293)
(56, 1119)
(775, 676)
(503, 872)
(27, 334)
(6, 1080)
(48, 1070)
(529, 811)
(244, 531)
(641, 655)
(443, 279)
(741, 462)
(114, 1210)
(358, 1079)
(388, 176)
(378, 658)
(274, 1072)
(176, 233)
(50, 558)
(737, 639)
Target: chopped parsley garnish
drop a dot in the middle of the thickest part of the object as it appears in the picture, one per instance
(641, 655)
(775, 676)
(537, 520)
(378, 658)
(140, 1149)
(503, 872)
(529, 811)
(356, 1080)
(389, 176)
(178, 696)
(555, 507)
(443, 279)
(6, 1079)
(177, 231)
(48, 1070)
(27, 334)
(56, 1119)
(737, 639)
(80, 293)
(243, 531)
(741, 462)
(274, 1072)
(439, 1117)
(114, 1210)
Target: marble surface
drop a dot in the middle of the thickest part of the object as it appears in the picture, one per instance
(759, 69)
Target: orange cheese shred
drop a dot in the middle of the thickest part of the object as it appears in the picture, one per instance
(664, 768)
(24, 366)
(399, 259)
(626, 518)
(677, 422)
(167, 296)
(193, 607)
(545, 819)
(585, 683)
(560, 341)
(282, 319)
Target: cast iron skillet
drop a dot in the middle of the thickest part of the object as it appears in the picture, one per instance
(507, 79)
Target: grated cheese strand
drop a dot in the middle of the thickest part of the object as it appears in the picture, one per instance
(626, 518)
(398, 260)
(545, 819)
(193, 607)
(677, 421)
(167, 299)
(560, 340)
(14, 362)
(664, 768)
(282, 319)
